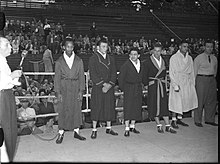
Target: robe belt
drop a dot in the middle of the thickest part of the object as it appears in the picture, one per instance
(67, 78)
(159, 90)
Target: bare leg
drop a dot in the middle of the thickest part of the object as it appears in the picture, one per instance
(166, 120)
(94, 123)
(157, 120)
(108, 125)
(127, 125)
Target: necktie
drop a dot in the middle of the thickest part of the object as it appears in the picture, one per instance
(209, 58)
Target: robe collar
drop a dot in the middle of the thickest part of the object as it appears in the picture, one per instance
(136, 65)
(74, 60)
(100, 61)
(156, 65)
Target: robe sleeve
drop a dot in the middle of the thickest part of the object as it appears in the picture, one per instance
(196, 66)
(81, 77)
(192, 75)
(113, 75)
(172, 73)
(215, 66)
(145, 73)
(122, 76)
(96, 79)
(57, 78)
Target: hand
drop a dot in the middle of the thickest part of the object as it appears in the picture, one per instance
(176, 88)
(16, 74)
(24, 53)
(80, 96)
(60, 98)
(106, 87)
(105, 84)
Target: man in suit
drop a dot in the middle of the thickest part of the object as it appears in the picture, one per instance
(205, 66)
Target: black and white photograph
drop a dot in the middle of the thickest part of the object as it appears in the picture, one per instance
(109, 81)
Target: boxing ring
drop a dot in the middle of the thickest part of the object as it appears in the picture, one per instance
(190, 144)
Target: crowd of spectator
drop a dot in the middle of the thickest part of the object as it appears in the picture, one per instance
(37, 38)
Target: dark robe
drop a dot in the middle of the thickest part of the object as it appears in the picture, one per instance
(130, 82)
(69, 82)
(155, 78)
(102, 71)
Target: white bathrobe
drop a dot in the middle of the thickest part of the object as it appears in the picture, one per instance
(181, 74)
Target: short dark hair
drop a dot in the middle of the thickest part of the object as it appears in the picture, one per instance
(134, 49)
(42, 91)
(208, 41)
(102, 40)
(157, 44)
(67, 40)
(183, 41)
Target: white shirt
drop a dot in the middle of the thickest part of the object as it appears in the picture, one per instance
(46, 26)
(6, 81)
(69, 60)
(137, 66)
(159, 62)
(104, 55)
(25, 113)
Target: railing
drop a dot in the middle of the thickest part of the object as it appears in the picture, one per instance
(87, 95)
(22, 4)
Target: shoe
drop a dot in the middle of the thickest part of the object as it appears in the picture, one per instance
(174, 125)
(60, 138)
(76, 135)
(134, 130)
(94, 134)
(110, 131)
(170, 129)
(160, 129)
(181, 123)
(127, 134)
(198, 124)
(211, 123)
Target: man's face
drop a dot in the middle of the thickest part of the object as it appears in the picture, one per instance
(184, 48)
(103, 47)
(157, 51)
(25, 104)
(208, 48)
(5, 47)
(69, 48)
(134, 56)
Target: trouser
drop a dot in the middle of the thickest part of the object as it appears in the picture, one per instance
(8, 119)
(207, 98)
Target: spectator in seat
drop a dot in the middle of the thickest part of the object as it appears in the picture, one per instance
(26, 121)
(33, 26)
(15, 45)
(11, 26)
(45, 107)
(93, 30)
(47, 28)
(27, 29)
(17, 27)
(59, 29)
